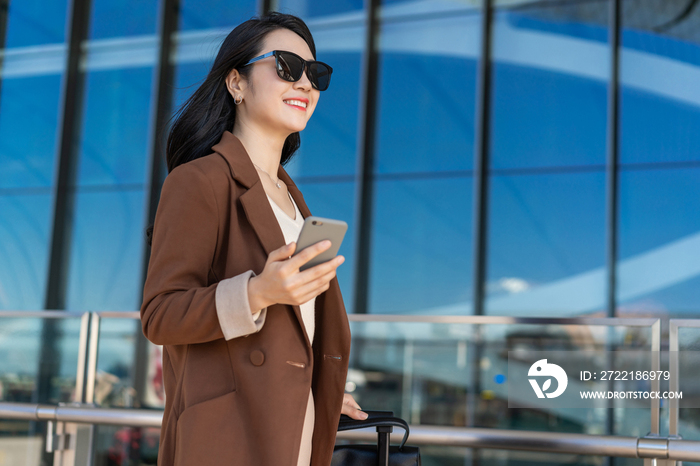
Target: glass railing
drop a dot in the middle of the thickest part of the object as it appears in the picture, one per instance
(128, 375)
(40, 362)
(437, 372)
(684, 359)
(453, 371)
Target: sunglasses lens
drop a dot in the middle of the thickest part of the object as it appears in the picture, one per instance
(289, 66)
(320, 75)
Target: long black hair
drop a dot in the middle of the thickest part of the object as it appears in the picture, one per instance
(199, 123)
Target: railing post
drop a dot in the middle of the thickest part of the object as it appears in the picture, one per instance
(92, 358)
(82, 358)
(674, 384)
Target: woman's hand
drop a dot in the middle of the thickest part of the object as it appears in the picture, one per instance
(282, 282)
(351, 408)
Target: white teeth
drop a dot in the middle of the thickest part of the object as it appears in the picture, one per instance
(298, 103)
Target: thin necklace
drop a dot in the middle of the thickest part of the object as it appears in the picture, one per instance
(277, 183)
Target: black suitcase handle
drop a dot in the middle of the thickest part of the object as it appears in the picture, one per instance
(376, 419)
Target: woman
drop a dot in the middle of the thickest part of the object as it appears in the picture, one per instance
(244, 384)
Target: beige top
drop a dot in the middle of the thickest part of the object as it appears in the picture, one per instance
(291, 228)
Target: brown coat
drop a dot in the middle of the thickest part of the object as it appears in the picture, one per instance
(240, 401)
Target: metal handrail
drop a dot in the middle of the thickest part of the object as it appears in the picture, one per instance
(505, 320)
(48, 314)
(82, 414)
(550, 442)
(401, 318)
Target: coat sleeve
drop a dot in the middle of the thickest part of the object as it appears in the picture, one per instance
(180, 306)
(233, 308)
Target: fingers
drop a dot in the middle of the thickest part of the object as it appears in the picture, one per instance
(314, 281)
(308, 295)
(321, 269)
(349, 400)
(314, 288)
(350, 410)
(290, 286)
(309, 253)
(282, 253)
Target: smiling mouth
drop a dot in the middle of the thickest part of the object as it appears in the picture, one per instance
(295, 103)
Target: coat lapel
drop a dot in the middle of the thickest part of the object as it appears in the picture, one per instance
(261, 217)
(255, 203)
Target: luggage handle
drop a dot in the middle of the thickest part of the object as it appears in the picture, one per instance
(384, 421)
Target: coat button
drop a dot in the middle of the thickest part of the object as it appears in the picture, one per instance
(257, 358)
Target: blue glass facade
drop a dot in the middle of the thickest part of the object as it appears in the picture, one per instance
(547, 151)
(30, 97)
(400, 168)
(659, 161)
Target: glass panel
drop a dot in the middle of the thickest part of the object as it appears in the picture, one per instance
(689, 376)
(38, 364)
(28, 137)
(419, 58)
(309, 8)
(114, 384)
(24, 250)
(28, 127)
(659, 242)
(336, 200)
(546, 245)
(34, 22)
(207, 14)
(107, 251)
(21, 357)
(421, 246)
(427, 76)
(136, 17)
(456, 374)
(123, 353)
(114, 141)
(659, 72)
(549, 85)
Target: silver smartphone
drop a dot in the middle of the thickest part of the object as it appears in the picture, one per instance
(317, 229)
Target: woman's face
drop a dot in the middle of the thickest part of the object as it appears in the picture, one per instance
(270, 104)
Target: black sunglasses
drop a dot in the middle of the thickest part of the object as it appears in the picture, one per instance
(290, 67)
